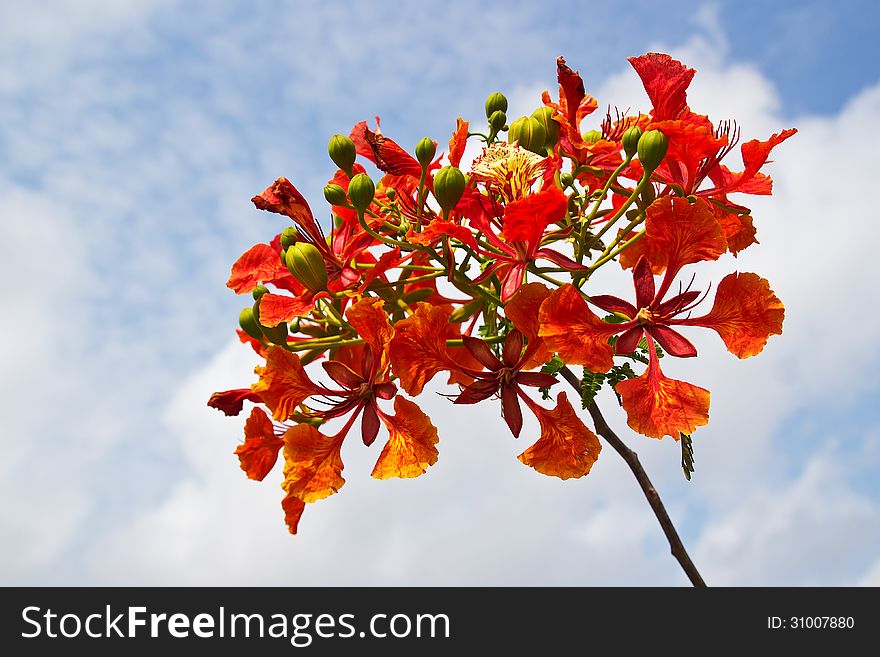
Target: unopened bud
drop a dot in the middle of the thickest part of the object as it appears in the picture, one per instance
(544, 116)
(390, 193)
(630, 140)
(289, 236)
(306, 264)
(652, 149)
(528, 133)
(342, 152)
(361, 191)
(249, 325)
(566, 179)
(497, 120)
(259, 291)
(592, 136)
(449, 184)
(496, 102)
(335, 195)
(425, 150)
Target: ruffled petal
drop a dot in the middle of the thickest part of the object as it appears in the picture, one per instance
(745, 314)
(312, 463)
(572, 330)
(410, 449)
(458, 142)
(666, 80)
(282, 197)
(371, 323)
(277, 308)
(385, 153)
(566, 448)
(658, 406)
(232, 401)
(526, 219)
(678, 233)
(418, 349)
(258, 264)
(259, 451)
(283, 383)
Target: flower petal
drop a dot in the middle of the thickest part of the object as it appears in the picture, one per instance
(312, 463)
(658, 406)
(522, 309)
(385, 153)
(666, 80)
(259, 451)
(572, 330)
(738, 229)
(371, 323)
(745, 314)
(232, 401)
(278, 308)
(526, 219)
(673, 342)
(566, 447)
(258, 264)
(293, 509)
(283, 198)
(678, 233)
(411, 444)
(418, 349)
(511, 410)
(283, 383)
(458, 142)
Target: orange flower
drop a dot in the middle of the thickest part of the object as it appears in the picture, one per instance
(745, 314)
(283, 383)
(259, 451)
(418, 349)
(411, 443)
(566, 447)
(658, 406)
(573, 331)
(312, 463)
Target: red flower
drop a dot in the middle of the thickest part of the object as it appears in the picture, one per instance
(745, 314)
(524, 224)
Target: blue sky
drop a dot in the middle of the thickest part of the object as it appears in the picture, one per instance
(133, 136)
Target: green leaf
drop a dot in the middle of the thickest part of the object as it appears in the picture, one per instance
(687, 455)
(553, 366)
(591, 383)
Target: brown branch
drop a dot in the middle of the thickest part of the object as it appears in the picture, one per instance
(632, 460)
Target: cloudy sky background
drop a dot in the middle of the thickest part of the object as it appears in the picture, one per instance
(132, 136)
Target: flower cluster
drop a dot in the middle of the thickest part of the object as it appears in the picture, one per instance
(484, 276)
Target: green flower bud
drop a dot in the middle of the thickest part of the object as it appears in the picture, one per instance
(425, 150)
(289, 236)
(342, 152)
(305, 263)
(592, 136)
(390, 193)
(249, 324)
(544, 116)
(449, 184)
(566, 179)
(630, 140)
(528, 133)
(497, 120)
(335, 195)
(361, 191)
(259, 291)
(652, 149)
(495, 103)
